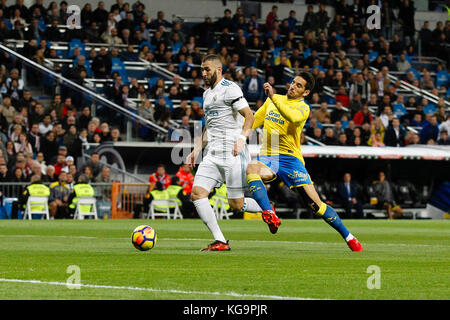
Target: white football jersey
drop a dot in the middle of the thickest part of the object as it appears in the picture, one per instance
(223, 120)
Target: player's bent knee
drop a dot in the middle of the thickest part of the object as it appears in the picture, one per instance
(317, 208)
(252, 168)
(198, 193)
(236, 205)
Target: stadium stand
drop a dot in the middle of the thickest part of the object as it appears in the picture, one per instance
(141, 78)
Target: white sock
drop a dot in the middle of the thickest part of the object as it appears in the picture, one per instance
(206, 213)
(250, 205)
(349, 237)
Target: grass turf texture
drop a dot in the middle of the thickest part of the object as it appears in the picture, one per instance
(305, 259)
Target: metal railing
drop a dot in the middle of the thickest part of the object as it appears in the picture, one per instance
(15, 189)
(82, 89)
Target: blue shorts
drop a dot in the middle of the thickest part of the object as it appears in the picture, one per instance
(289, 168)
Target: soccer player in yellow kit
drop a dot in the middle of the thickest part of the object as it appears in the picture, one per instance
(284, 117)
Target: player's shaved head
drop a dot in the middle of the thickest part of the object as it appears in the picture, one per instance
(214, 59)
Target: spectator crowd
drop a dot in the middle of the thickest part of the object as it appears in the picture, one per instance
(366, 108)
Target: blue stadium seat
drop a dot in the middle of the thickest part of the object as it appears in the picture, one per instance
(306, 53)
(87, 65)
(152, 81)
(373, 55)
(199, 99)
(119, 66)
(176, 47)
(416, 73)
(8, 24)
(148, 44)
(442, 78)
(399, 109)
(276, 53)
(76, 43)
(42, 25)
(169, 102)
(429, 108)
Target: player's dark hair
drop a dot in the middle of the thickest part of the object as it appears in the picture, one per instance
(310, 80)
(211, 57)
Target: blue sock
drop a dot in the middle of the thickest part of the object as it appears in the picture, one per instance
(331, 217)
(259, 192)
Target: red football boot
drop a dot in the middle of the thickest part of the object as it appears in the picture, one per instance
(217, 246)
(354, 245)
(270, 217)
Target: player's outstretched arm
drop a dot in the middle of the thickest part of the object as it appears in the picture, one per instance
(294, 115)
(246, 130)
(199, 144)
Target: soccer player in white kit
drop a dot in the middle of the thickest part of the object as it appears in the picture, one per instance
(228, 125)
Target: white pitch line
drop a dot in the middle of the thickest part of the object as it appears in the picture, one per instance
(235, 240)
(214, 293)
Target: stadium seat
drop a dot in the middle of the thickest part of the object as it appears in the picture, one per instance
(119, 66)
(415, 72)
(86, 207)
(147, 43)
(76, 43)
(199, 100)
(87, 65)
(37, 206)
(176, 47)
(399, 110)
(162, 208)
(442, 78)
(403, 193)
(373, 55)
(429, 109)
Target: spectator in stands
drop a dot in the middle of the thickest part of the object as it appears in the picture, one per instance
(253, 86)
(10, 154)
(363, 116)
(322, 114)
(342, 140)
(115, 135)
(338, 112)
(195, 90)
(395, 134)
(329, 138)
(46, 125)
(385, 196)
(271, 17)
(105, 132)
(4, 175)
(186, 178)
(159, 176)
(386, 115)
(49, 146)
(59, 195)
(445, 125)
(440, 114)
(376, 127)
(318, 134)
(23, 145)
(348, 197)
(94, 164)
(8, 109)
(443, 140)
(429, 131)
(403, 65)
(102, 64)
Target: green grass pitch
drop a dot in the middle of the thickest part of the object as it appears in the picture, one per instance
(306, 259)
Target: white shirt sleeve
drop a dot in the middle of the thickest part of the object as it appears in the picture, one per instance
(235, 98)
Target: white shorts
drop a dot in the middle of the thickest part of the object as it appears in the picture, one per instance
(214, 171)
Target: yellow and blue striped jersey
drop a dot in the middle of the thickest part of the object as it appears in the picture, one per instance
(283, 121)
